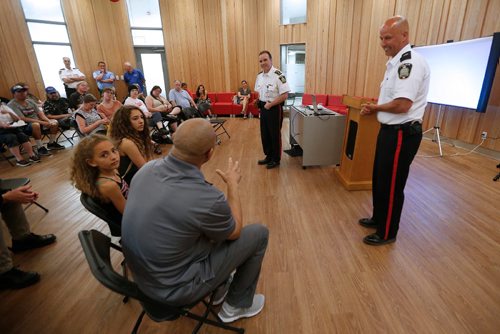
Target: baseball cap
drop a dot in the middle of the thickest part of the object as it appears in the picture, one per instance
(17, 88)
(50, 90)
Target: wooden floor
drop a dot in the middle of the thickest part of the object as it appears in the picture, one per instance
(441, 276)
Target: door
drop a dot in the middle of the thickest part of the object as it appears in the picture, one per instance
(152, 62)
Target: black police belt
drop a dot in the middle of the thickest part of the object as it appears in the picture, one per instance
(404, 126)
(261, 104)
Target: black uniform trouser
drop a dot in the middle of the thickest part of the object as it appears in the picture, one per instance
(69, 91)
(396, 148)
(270, 131)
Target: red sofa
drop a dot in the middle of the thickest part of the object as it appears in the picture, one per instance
(332, 102)
(222, 104)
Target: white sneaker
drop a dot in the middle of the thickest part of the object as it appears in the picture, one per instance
(229, 313)
(222, 291)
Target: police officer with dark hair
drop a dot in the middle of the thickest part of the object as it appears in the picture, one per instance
(272, 90)
(400, 110)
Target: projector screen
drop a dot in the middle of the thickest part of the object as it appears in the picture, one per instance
(462, 72)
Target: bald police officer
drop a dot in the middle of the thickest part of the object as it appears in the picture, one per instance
(400, 110)
(272, 90)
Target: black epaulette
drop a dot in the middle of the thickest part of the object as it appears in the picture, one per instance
(278, 72)
(260, 72)
(62, 69)
(405, 56)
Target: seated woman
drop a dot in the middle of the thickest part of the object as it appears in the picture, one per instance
(203, 101)
(13, 136)
(94, 171)
(162, 109)
(129, 130)
(109, 104)
(134, 100)
(243, 97)
(87, 118)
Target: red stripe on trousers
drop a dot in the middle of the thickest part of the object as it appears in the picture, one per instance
(393, 182)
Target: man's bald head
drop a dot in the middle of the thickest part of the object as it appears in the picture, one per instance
(193, 141)
(394, 35)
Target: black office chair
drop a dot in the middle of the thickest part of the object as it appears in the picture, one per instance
(9, 184)
(97, 246)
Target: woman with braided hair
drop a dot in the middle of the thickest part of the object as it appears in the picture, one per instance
(129, 130)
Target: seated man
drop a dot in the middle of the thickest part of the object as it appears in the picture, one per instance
(185, 241)
(22, 238)
(56, 107)
(180, 97)
(76, 99)
(29, 112)
(13, 136)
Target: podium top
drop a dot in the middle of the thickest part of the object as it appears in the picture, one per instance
(356, 101)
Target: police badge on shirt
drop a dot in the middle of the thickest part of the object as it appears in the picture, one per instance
(404, 70)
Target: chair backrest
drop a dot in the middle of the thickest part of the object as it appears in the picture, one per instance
(112, 217)
(97, 248)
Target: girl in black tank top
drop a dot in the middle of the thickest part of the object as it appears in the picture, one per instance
(94, 171)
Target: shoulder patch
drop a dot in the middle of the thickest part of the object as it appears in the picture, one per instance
(405, 56)
(404, 70)
(278, 72)
(282, 78)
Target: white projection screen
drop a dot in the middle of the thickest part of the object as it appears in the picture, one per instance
(458, 71)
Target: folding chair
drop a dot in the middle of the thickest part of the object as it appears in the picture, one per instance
(97, 247)
(217, 124)
(9, 184)
(4, 151)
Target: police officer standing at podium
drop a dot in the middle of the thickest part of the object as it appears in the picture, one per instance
(272, 90)
(400, 110)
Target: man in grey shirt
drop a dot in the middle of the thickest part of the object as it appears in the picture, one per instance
(184, 242)
(180, 96)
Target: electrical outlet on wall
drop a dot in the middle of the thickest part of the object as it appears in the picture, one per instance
(484, 135)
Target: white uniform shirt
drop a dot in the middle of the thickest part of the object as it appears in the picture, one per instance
(270, 85)
(64, 73)
(407, 76)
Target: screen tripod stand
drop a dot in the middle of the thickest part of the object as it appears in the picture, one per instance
(437, 137)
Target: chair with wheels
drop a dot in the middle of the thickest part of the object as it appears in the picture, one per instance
(97, 246)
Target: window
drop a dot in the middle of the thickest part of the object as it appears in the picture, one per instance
(147, 38)
(293, 58)
(293, 11)
(49, 36)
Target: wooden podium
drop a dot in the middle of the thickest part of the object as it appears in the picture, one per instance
(358, 151)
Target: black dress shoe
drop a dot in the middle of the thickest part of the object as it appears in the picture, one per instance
(264, 161)
(272, 164)
(367, 222)
(31, 241)
(18, 279)
(375, 240)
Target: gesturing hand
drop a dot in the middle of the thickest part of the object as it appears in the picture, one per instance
(233, 174)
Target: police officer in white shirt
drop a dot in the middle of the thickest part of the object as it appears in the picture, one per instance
(71, 77)
(272, 92)
(400, 110)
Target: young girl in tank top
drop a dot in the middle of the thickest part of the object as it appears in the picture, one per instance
(94, 171)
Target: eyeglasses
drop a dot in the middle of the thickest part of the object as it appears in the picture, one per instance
(110, 92)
